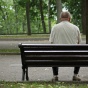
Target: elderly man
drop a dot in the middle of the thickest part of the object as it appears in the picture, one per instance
(65, 33)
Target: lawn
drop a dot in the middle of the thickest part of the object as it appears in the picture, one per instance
(28, 36)
(24, 36)
(42, 85)
(9, 51)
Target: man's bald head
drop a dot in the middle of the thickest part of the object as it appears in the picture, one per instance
(65, 15)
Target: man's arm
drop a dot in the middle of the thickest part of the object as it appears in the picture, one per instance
(79, 37)
(51, 38)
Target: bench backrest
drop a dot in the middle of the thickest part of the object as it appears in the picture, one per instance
(54, 55)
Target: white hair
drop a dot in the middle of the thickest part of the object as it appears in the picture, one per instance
(65, 14)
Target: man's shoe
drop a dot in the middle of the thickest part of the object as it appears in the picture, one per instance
(76, 78)
(55, 79)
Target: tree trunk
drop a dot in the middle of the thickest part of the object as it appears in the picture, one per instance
(84, 16)
(49, 21)
(16, 14)
(28, 17)
(59, 9)
(86, 21)
(42, 17)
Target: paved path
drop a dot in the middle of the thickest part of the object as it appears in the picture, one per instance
(14, 44)
(10, 70)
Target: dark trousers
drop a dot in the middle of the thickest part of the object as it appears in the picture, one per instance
(55, 70)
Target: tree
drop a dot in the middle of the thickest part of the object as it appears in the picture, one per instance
(49, 21)
(28, 16)
(84, 16)
(59, 9)
(86, 1)
(42, 15)
(16, 14)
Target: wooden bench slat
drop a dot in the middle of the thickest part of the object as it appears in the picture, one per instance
(57, 63)
(56, 57)
(56, 53)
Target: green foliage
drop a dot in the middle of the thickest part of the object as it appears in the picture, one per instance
(22, 2)
(12, 18)
(13, 15)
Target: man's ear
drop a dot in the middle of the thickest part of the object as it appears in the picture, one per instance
(69, 19)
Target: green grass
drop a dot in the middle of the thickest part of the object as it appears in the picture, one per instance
(41, 85)
(9, 51)
(28, 36)
(24, 36)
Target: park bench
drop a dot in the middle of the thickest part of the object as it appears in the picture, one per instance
(49, 55)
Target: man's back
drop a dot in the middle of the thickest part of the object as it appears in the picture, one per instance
(65, 33)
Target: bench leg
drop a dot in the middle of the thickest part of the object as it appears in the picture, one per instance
(27, 78)
(23, 74)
